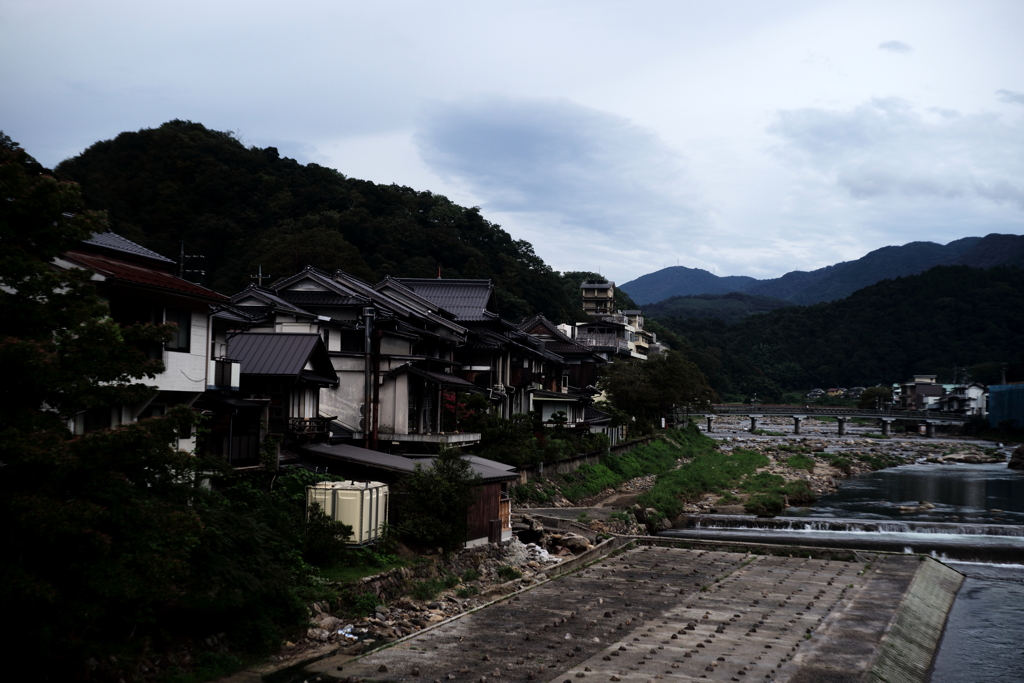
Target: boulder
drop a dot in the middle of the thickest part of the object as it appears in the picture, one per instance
(577, 544)
(1017, 459)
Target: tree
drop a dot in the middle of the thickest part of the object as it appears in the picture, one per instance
(650, 389)
(98, 527)
(875, 397)
(434, 501)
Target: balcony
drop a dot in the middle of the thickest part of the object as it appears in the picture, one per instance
(309, 425)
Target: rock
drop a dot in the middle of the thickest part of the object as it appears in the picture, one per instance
(1017, 459)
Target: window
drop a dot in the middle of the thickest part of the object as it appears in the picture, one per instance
(183, 336)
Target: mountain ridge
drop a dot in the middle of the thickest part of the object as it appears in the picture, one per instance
(835, 281)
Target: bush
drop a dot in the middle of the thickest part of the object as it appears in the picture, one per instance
(509, 573)
(427, 589)
(470, 575)
(363, 603)
(799, 492)
(801, 462)
(764, 504)
(323, 538)
(467, 592)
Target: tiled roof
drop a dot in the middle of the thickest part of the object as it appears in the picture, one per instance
(468, 300)
(114, 242)
(280, 354)
(301, 298)
(271, 298)
(560, 342)
(138, 274)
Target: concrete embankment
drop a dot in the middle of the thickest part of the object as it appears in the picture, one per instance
(656, 612)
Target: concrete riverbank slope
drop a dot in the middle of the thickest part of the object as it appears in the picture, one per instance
(663, 613)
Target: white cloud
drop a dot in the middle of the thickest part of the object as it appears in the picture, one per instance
(1010, 97)
(889, 147)
(586, 183)
(897, 46)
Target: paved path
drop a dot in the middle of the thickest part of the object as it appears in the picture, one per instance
(661, 613)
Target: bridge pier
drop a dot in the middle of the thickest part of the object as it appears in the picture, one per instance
(886, 426)
(842, 426)
(710, 419)
(796, 423)
(753, 422)
(929, 430)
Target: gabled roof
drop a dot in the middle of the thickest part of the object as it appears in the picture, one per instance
(112, 242)
(468, 300)
(282, 354)
(137, 273)
(441, 378)
(268, 298)
(559, 342)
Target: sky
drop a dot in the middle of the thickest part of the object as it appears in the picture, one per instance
(741, 137)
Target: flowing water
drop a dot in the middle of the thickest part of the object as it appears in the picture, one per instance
(977, 514)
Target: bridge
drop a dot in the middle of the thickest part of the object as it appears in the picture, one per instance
(931, 418)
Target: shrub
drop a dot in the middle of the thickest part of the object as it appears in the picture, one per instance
(427, 589)
(801, 462)
(509, 573)
(799, 492)
(363, 603)
(467, 592)
(470, 575)
(764, 504)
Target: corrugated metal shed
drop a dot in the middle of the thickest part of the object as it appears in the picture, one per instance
(489, 471)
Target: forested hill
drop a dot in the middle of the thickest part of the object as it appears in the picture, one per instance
(729, 308)
(248, 207)
(949, 316)
(836, 281)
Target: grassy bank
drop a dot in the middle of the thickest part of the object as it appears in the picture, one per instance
(589, 480)
(712, 471)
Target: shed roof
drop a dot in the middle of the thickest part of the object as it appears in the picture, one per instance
(488, 471)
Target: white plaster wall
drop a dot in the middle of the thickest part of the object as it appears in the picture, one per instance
(187, 371)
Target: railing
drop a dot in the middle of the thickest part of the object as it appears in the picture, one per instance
(309, 425)
(897, 413)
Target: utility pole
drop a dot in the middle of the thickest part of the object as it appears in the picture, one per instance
(258, 277)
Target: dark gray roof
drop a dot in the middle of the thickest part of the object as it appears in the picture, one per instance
(281, 354)
(467, 300)
(113, 241)
(442, 378)
(268, 296)
(301, 298)
(396, 463)
(597, 285)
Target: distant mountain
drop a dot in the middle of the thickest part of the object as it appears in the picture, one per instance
(837, 281)
(729, 308)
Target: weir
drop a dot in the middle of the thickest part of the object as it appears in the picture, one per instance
(981, 543)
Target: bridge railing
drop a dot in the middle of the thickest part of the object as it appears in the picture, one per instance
(810, 411)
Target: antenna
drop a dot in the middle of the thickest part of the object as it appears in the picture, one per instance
(258, 277)
(183, 258)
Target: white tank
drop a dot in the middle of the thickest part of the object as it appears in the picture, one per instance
(361, 504)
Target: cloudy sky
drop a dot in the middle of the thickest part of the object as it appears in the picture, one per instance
(743, 137)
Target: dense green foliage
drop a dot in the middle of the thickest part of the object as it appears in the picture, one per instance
(952, 316)
(245, 207)
(729, 308)
(433, 501)
(114, 546)
(651, 389)
(613, 469)
(522, 440)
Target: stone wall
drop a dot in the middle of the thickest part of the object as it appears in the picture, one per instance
(574, 463)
